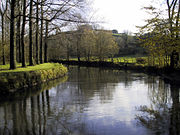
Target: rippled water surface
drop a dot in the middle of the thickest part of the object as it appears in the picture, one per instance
(93, 101)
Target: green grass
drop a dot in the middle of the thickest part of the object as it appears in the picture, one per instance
(45, 66)
(131, 60)
(29, 76)
(116, 60)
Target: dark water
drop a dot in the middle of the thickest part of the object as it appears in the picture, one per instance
(94, 102)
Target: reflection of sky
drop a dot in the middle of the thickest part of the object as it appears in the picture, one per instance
(120, 111)
(110, 110)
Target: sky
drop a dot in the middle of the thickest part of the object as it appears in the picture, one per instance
(121, 15)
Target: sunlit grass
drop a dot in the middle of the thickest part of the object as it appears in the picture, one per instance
(115, 60)
(132, 60)
(5, 68)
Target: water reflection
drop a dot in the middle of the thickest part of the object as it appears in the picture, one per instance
(162, 116)
(94, 101)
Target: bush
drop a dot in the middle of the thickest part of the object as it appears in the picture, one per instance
(140, 60)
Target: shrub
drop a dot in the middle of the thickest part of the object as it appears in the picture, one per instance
(140, 60)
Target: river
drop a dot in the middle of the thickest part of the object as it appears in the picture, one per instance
(94, 101)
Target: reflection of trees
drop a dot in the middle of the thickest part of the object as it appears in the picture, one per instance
(21, 113)
(175, 111)
(162, 116)
(99, 81)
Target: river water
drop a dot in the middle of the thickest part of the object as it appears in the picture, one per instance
(93, 101)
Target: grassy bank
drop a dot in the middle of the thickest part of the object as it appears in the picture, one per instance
(144, 61)
(11, 80)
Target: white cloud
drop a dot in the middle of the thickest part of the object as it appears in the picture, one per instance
(121, 14)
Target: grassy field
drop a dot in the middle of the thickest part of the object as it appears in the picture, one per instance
(138, 61)
(117, 59)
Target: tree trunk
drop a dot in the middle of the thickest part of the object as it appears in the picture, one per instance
(45, 45)
(18, 34)
(30, 35)
(12, 46)
(41, 34)
(3, 49)
(37, 32)
(22, 35)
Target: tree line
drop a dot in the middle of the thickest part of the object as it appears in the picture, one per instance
(90, 42)
(26, 24)
(83, 43)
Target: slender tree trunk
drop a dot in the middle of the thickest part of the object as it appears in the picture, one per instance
(22, 35)
(45, 45)
(37, 32)
(3, 49)
(12, 45)
(78, 52)
(30, 35)
(18, 34)
(41, 34)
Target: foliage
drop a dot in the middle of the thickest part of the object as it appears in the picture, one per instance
(105, 45)
(83, 43)
(140, 61)
(160, 36)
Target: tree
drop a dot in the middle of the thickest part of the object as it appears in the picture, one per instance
(30, 34)
(22, 34)
(173, 18)
(105, 45)
(37, 32)
(18, 32)
(3, 10)
(161, 34)
(88, 43)
(41, 33)
(45, 43)
(12, 45)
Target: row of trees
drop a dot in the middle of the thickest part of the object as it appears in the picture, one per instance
(25, 20)
(160, 36)
(83, 42)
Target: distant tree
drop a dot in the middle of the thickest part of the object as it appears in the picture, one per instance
(105, 45)
(115, 31)
(88, 43)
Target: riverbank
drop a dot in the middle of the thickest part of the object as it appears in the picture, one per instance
(13, 80)
(172, 76)
(30, 91)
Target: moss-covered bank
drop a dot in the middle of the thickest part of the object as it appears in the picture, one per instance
(12, 80)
